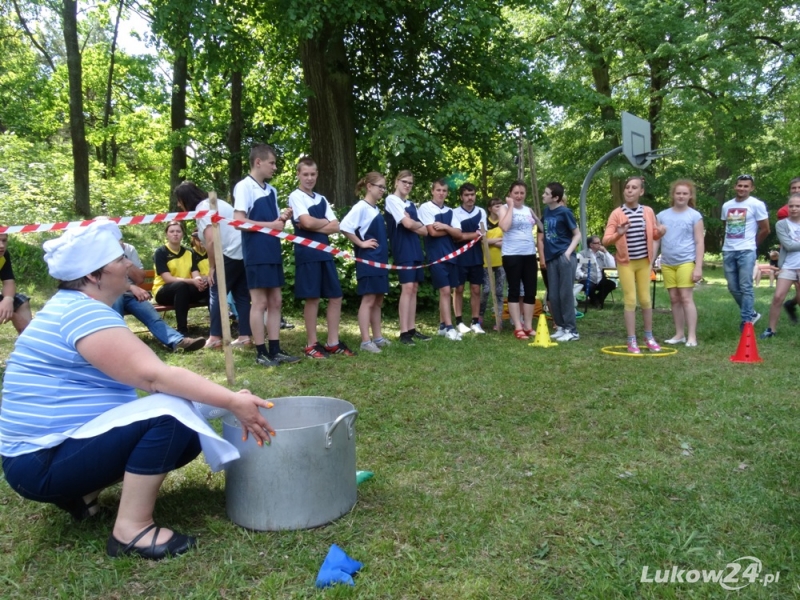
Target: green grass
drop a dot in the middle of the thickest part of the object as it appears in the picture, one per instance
(501, 471)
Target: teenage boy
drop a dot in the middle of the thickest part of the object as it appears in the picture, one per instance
(14, 307)
(470, 264)
(256, 202)
(560, 238)
(746, 226)
(443, 230)
(315, 272)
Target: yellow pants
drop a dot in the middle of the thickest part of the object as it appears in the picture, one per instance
(635, 281)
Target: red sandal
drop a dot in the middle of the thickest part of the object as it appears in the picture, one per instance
(520, 334)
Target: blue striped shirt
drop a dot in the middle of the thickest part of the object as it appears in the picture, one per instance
(49, 389)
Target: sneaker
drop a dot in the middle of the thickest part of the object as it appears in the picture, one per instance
(652, 345)
(442, 331)
(756, 318)
(286, 325)
(188, 344)
(476, 328)
(282, 357)
(452, 335)
(382, 342)
(569, 336)
(316, 351)
(462, 328)
(407, 339)
(266, 361)
(633, 348)
(791, 309)
(340, 348)
(420, 336)
(557, 333)
(370, 347)
(768, 333)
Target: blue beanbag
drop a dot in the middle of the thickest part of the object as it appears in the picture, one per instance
(337, 568)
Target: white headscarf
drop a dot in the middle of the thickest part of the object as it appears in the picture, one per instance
(82, 251)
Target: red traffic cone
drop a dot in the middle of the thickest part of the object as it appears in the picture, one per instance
(747, 352)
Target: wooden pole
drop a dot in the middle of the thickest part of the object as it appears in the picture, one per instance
(520, 158)
(498, 310)
(222, 289)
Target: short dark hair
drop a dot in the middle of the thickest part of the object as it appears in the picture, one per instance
(466, 187)
(745, 178)
(261, 151)
(593, 238)
(190, 195)
(442, 182)
(81, 282)
(556, 190)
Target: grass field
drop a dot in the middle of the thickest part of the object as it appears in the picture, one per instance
(501, 471)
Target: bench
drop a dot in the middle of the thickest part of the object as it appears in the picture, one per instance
(147, 285)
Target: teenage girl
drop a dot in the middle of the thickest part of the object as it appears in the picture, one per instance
(633, 229)
(364, 226)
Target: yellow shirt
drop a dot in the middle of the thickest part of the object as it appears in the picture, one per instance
(495, 253)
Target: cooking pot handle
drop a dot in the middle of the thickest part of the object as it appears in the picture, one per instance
(329, 433)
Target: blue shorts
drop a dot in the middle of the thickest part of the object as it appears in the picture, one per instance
(19, 300)
(317, 279)
(378, 284)
(445, 275)
(264, 276)
(472, 273)
(410, 276)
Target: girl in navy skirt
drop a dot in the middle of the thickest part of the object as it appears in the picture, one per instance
(364, 226)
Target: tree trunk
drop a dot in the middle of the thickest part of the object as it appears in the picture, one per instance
(80, 149)
(234, 138)
(330, 114)
(108, 168)
(180, 69)
(601, 74)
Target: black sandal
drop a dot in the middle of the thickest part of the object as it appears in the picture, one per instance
(78, 509)
(174, 546)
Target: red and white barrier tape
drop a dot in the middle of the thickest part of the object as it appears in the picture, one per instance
(199, 214)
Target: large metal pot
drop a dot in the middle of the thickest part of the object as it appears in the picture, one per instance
(306, 477)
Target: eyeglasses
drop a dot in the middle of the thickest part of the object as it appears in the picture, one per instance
(745, 178)
(380, 187)
(405, 182)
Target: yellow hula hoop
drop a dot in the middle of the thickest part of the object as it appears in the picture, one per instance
(614, 351)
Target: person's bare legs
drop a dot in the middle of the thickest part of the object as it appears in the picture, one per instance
(375, 316)
(690, 313)
(782, 288)
(527, 316)
(444, 306)
(258, 306)
(22, 317)
(310, 312)
(407, 306)
(136, 505)
(677, 312)
(334, 316)
(458, 301)
(365, 316)
(514, 313)
(274, 302)
(475, 300)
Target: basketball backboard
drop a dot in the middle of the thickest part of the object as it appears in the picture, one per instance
(636, 140)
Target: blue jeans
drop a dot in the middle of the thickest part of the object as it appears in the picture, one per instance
(76, 468)
(236, 282)
(147, 314)
(738, 266)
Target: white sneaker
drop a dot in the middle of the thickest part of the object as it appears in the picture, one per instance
(462, 328)
(370, 347)
(453, 335)
(557, 333)
(382, 342)
(442, 331)
(569, 336)
(476, 328)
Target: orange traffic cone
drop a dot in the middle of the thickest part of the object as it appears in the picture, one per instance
(747, 352)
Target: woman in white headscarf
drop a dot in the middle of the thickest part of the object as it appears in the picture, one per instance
(71, 423)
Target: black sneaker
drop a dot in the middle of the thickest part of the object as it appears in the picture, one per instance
(768, 333)
(285, 324)
(340, 348)
(791, 309)
(281, 357)
(266, 361)
(407, 339)
(420, 336)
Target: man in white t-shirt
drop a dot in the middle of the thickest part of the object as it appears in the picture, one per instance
(746, 226)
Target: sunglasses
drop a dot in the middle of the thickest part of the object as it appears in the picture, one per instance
(745, 178)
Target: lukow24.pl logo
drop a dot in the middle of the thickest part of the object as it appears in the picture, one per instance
(736, 575)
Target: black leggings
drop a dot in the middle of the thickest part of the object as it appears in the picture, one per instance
(181, 295)
(521, 268)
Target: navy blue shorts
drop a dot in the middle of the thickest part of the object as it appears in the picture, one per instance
(317, 280)
(19, 300)
(264, 276)
(378, 284)
(472, 273)
(410, 276)
(445, 275)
